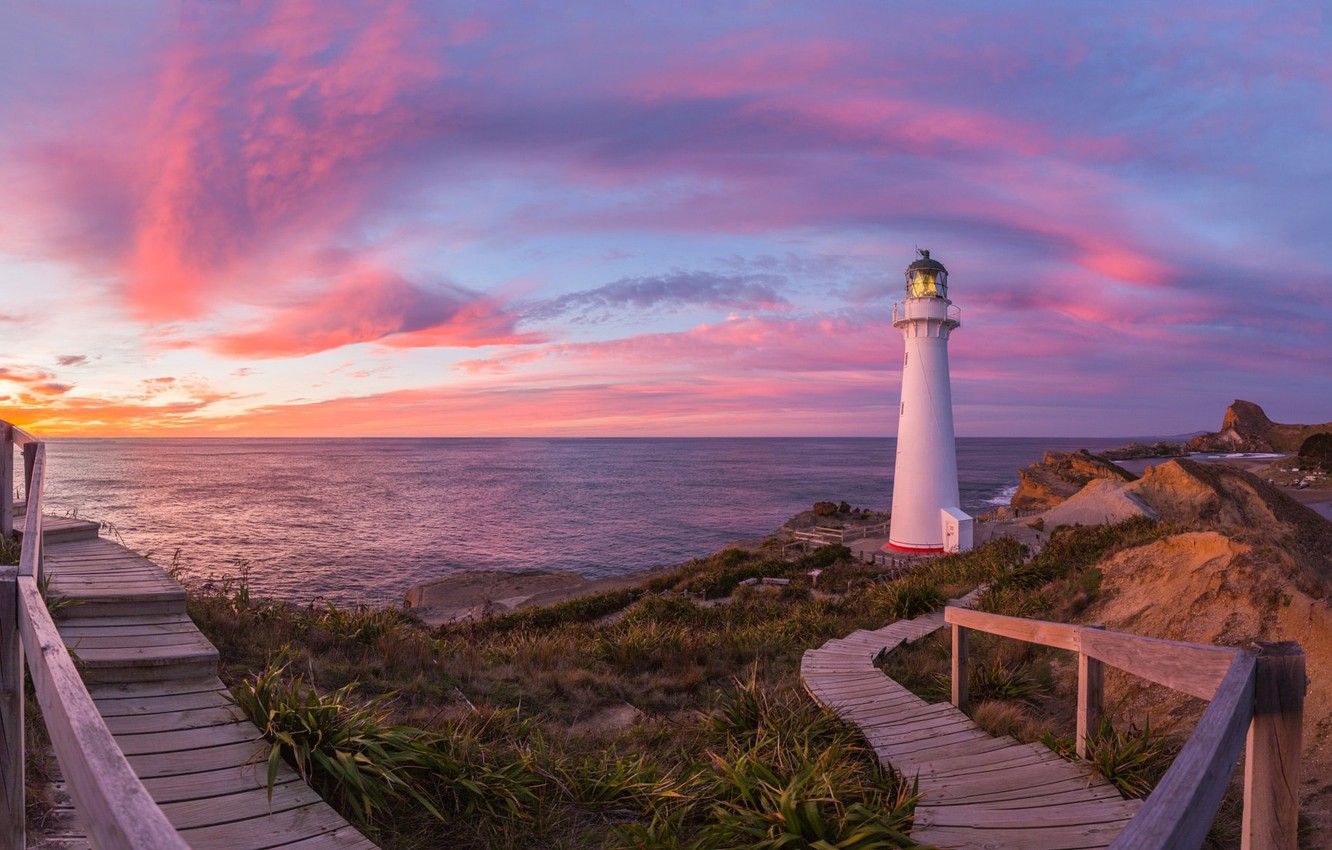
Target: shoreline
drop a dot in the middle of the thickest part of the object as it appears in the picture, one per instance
(477, 594)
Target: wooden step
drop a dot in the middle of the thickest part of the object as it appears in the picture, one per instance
(141, 657)
(58, 529)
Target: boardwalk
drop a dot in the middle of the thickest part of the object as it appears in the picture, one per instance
(153, 677)
(977, 791)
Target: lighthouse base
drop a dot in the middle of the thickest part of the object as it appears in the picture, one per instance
(908, 549)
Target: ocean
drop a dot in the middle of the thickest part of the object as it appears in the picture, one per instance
(362, 520)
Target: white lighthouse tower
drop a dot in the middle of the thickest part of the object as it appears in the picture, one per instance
(926, 515)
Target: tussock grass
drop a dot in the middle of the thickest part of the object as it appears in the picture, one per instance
(1133, 758)
(471, 724)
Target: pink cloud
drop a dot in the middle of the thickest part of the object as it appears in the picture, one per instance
(377, 306)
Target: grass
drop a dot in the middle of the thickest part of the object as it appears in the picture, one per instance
(510, 731)
(1133, 758)
(506, 732)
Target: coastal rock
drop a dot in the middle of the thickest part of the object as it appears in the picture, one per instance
(1140, 451)
(1059, 475)
(1247, 428)
(478, 593)
(1100, 502)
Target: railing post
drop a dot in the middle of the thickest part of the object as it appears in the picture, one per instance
(961, 668)
(29, 459)
(11, 713)
(1091, 697)
(1272, 754)
(7, 483)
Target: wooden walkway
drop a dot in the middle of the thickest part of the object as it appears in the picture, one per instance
(977, 791)
(153, 677)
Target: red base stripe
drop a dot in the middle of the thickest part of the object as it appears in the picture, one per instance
(890, 546)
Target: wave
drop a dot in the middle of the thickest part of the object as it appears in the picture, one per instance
(1004, 496)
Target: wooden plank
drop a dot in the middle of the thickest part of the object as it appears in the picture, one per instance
(1034, 838)
(268, 831)
(117, 809)
(166, 704)
(12, 757)
(214, 758)
(974, 745)
(7, 481)
(345, 838)
(251, 805)
(960, 666)
(30, 557)
(1016, 802)
(140, 690)
(935, 742)
(1193, 669)
(142, 642)
(1181, 808)
(1058, 635)
(1091, 695)
(1064, 814)
(76, 620)
(972, 765)
(189, 740)
(163, 721)
(1272, 754)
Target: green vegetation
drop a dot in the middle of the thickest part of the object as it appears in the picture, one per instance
(612, 721)
(1133, 759)
(1316, 452)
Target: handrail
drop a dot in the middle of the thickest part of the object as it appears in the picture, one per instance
(117, 810)
(1261, 693)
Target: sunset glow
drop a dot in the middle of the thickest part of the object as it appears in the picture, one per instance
(319, 218)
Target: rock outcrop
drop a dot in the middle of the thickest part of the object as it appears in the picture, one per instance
(1246, 428)
(1059, 475)
(1140, 451)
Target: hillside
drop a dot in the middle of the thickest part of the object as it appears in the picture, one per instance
(1250, 564)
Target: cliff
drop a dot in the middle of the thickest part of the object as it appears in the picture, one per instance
(1059, 475)
(1249, 564)
(1246, 428)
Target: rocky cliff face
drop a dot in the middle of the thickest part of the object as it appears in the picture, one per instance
(1246, 428)
(1060, 475)
(1249, 563)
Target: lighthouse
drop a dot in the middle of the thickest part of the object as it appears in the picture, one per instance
(926, 516)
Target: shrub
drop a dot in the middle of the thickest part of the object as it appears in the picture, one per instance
(347, 751)
(907, 598)
(825, 556)
(1316, 452)
(786, 773)
(995, 680)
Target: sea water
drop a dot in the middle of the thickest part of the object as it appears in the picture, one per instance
(362, 520)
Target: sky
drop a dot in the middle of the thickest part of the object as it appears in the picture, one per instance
(660, 219)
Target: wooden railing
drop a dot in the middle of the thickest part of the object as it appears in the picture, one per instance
(1254, 696)
(115, 808)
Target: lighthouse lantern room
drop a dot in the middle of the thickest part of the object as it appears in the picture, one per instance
(926, 516)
